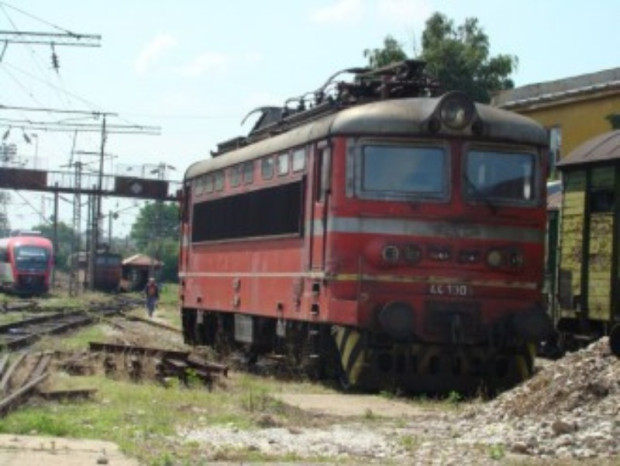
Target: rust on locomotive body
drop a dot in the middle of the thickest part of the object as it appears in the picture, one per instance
(388, 236)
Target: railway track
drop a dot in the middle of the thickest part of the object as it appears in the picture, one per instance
(25, 332)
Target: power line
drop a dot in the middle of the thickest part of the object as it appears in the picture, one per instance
(58, 126)
(5, 4)
(36, 211)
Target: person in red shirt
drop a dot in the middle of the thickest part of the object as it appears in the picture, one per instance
(151, 292)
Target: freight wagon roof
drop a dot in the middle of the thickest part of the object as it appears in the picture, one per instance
(398, 117)
(602, 148)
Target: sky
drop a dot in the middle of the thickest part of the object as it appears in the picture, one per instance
(195, 68)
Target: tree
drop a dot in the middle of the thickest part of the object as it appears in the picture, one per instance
(156, 233)
(155, 221)
(457, 56)
(391, 52)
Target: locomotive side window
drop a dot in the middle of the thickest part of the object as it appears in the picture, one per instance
(505, 176)
(208, 184)
(299, 160)
(282, 164)
(218, 180)
(198, 185)
(234, 176)
(248, 172)
(266, 168)
(390, 171)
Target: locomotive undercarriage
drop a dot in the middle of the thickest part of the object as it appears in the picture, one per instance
(438, 368)
(363, 359)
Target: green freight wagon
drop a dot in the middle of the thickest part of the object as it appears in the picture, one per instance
(588, 281)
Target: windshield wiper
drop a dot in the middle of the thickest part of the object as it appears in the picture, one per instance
(480, 195)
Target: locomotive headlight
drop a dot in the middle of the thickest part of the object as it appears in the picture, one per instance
(390, 254)
(495, 258)
(412, 253)
(515, 258)
(456, 110)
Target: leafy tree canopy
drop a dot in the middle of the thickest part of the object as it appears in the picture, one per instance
(155, 221)
(458, 56)
(391, 52)
(156, 233)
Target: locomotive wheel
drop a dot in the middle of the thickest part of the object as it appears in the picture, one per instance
(343, 381)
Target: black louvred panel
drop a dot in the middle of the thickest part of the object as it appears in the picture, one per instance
(266, 212)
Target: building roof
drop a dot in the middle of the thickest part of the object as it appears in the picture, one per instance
(142, 260)
(560, 89)
(601, 148)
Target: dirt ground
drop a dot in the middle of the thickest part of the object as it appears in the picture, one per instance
(34, 450)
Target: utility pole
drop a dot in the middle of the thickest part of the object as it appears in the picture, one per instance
(74, 287)
(89, 239)
(55, 234)
(96, 217)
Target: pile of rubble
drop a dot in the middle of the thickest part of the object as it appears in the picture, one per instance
(587, 380)
(570, 408)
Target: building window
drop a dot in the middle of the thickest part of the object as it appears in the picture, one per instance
(614, 120)
(555, 148)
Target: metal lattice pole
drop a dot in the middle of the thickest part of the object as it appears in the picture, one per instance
(74, 266)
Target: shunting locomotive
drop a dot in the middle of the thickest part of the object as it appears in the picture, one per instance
(381, 234)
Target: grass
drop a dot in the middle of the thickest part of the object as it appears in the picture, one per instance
(74, 341)
(496, 451)
(410, 442)
(143, 418)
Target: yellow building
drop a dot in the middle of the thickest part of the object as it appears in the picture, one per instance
(573, 109)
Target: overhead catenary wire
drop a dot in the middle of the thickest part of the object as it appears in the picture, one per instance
(52, 25)
(33, 55)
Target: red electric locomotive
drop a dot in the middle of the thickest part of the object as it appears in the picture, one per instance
(393, 238)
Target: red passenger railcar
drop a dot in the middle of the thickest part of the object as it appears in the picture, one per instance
(26, 263)
(390, 237)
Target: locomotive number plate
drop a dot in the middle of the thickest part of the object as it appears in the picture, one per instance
(445, 289)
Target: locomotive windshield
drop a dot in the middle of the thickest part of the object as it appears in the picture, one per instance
(507, 177)
(31, 257)
(390, 171)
